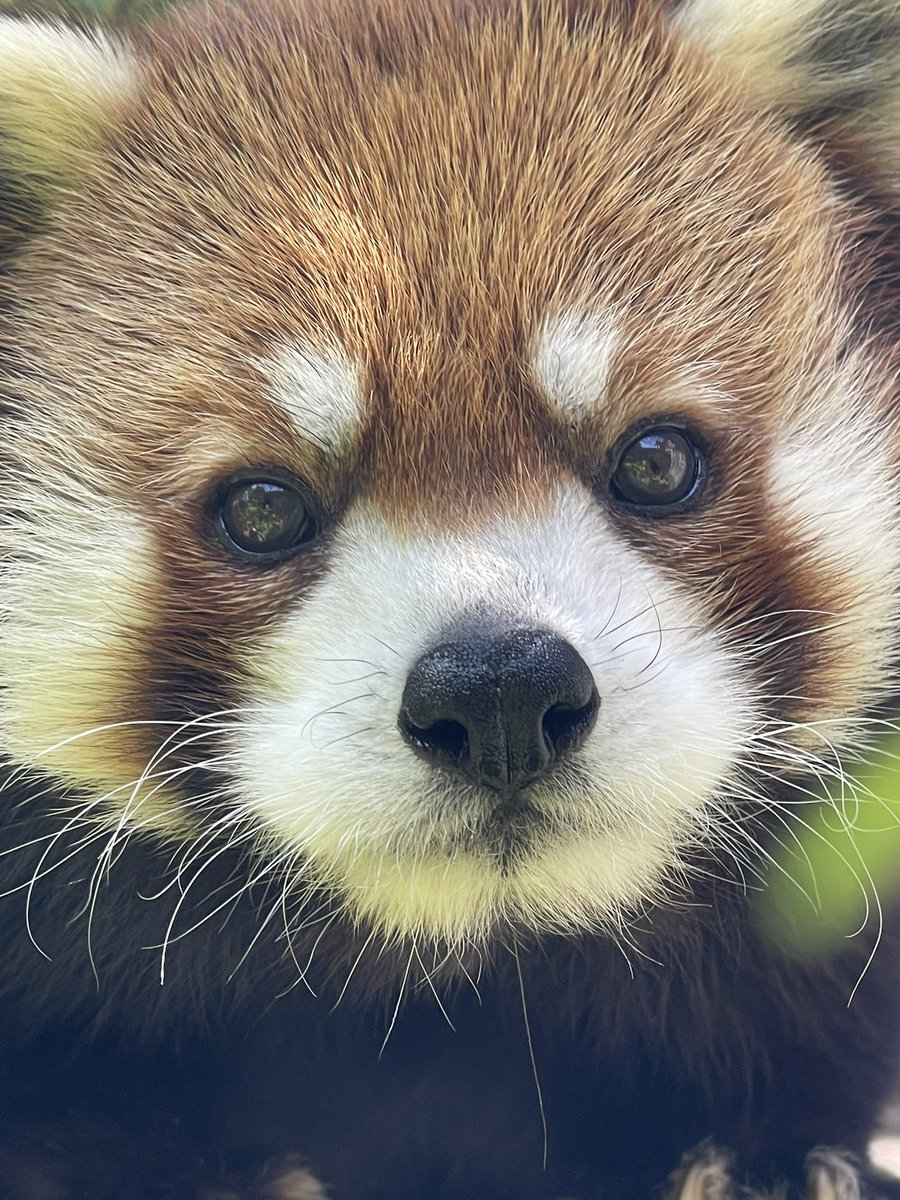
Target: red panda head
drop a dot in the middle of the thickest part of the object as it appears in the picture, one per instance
(446, 452)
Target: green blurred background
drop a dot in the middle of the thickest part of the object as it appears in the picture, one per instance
(839, 862)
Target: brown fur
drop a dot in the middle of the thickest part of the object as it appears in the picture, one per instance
(422, 186)
(224, 231)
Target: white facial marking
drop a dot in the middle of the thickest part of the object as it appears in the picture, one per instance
(839, 499)
(571, 362)
(323, 767)
(76, 610)
(321, 391)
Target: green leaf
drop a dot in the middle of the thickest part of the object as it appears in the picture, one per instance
(840, 859)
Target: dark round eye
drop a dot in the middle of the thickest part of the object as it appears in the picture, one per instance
(660, 468)
(265, 517)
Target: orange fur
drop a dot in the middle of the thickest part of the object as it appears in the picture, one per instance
(343, 244)
(436, 182)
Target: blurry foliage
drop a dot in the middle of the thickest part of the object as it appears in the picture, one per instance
(838, 866)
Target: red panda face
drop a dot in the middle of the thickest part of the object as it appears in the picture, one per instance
(443, 460)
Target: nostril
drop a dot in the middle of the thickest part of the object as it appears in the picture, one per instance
(564, 726)
(499, 709)
(448, 739)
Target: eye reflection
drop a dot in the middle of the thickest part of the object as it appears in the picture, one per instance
(659, 468)
(266, 516)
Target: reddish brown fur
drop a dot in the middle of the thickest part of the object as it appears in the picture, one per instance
(429, 192)
(424, 185)
(433, 269)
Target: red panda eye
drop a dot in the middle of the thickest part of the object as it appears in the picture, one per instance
(265, 517)
(659, 469)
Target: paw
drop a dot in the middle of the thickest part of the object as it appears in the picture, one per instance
(708, 1173)
(703, 1174)
(93, 1159)
(285, 1178)
(831, 1175)
(295, 1184)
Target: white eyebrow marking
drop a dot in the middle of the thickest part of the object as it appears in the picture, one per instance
(320, 389)
(572, 361)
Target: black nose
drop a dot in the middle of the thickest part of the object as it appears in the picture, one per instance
(500, 710)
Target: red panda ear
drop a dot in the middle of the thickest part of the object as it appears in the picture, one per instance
(831, 66)
(57, 88)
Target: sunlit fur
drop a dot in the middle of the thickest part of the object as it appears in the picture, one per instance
(441, 262)
(58, 90)
(453, 439)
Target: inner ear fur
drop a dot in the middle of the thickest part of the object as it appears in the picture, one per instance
(58, 87)
(832, 67)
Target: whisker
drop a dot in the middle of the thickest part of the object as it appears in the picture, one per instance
(530, 1040)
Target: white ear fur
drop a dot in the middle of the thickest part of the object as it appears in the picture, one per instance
(756, 38)
(831, 65)
(57, 87)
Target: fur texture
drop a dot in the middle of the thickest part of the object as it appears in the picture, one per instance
(438, 271)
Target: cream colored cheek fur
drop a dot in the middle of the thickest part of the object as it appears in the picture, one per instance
(76, 606)
(324, 769)
(830, 477)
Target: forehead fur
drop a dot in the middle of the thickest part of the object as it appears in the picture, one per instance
(424, 186)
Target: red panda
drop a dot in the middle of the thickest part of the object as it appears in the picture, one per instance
(448, 510)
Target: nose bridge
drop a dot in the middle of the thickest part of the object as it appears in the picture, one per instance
(484, 575)
(411, 578)
(490, 567)
(457, 432)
